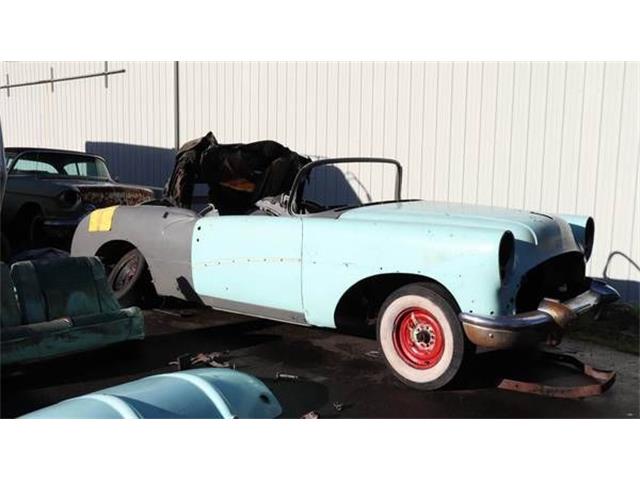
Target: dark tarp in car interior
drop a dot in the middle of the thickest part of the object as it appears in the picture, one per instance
(238, 175)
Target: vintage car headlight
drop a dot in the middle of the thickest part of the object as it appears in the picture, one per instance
(506, 254)
(589, 232)
(69, 198)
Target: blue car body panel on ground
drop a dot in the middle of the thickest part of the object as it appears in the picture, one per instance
(200, 393)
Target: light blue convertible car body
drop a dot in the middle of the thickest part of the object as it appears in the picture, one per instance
(437, 278)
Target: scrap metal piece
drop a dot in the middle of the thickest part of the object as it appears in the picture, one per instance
(286, 376)
(213, 359)
(312, 415)
(166, 312)
(188, 361)
(174, 313)
(338, 406)
(604, 379)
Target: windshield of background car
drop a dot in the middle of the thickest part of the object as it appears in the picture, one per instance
(69, 165)
(347, 185)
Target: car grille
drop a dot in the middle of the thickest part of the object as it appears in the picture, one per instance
(559, 278)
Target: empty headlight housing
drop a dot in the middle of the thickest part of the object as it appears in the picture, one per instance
(69, 198)
(589, 233)
(506, 253)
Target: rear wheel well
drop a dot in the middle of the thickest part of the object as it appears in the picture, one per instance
(112, 251)
(26, 212)
(359, 306)
(19, 231)
(29, 208)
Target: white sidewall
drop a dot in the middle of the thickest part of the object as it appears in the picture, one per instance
(386, 339)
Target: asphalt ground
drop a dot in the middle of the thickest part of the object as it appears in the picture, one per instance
(340, 375)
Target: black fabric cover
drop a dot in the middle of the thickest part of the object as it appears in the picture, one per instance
(238, 175)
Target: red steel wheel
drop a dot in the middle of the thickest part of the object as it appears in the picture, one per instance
(420, 335)
(418, 338)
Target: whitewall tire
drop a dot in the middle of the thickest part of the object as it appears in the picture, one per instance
(420, 336)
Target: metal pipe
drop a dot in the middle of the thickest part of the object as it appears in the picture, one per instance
(63, 79)
(176, 104)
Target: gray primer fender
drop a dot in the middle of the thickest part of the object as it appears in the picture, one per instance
(162, 234)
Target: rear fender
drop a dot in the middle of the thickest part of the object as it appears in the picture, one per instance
(162, 234)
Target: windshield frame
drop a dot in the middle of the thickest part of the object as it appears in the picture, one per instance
(14, 159)
(303, 174)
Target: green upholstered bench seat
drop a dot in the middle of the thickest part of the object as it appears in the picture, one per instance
(59, 306)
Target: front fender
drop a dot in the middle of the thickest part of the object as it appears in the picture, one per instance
(582, 227)
(339, 254)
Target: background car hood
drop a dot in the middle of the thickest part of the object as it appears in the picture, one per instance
(531, 227)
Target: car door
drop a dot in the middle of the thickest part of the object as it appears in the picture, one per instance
(21, 185)
(249, 264)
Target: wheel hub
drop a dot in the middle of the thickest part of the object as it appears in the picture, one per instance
(418, 338)
(125, 275)
(423, 336)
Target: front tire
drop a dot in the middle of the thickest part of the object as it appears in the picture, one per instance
(421, 337)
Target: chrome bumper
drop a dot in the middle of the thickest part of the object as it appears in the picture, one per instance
(61, 223)
(544, 324)
(60, 230)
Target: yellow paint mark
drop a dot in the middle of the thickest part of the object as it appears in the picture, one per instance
(100, 220)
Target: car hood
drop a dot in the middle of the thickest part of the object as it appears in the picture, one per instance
(534, 228)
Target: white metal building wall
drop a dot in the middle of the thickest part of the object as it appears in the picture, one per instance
(550, 137)
(120, 122)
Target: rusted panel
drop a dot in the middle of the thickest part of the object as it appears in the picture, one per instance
(604, 379)
(503, 339)
(116, 195)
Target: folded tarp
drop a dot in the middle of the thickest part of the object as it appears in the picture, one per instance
(238, 175)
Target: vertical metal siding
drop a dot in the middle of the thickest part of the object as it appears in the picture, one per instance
(555, 137)
(130, 122)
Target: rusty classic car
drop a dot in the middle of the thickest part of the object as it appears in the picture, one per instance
(49, 191)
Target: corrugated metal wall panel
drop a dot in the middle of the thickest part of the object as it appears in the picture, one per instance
(556, 137)
(130, 122)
